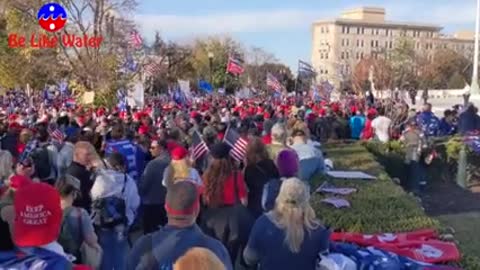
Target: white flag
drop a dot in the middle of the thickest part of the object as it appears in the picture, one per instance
(136, 97)
(185, 88)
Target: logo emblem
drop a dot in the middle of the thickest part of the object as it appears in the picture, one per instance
(52, 17)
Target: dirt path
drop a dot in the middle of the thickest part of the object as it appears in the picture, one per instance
(457, 208)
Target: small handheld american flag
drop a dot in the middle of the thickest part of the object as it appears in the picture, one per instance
(199, 148)
(237, 143)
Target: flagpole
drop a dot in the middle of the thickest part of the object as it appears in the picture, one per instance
(296, 79)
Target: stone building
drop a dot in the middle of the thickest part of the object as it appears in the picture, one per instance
(338, 44)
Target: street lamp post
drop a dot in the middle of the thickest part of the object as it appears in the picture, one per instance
(475, 89)
(210, 62)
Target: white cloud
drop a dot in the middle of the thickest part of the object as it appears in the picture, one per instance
(232, 22)
(443, 13)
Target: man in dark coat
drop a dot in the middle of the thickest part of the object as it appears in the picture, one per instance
(82, 158)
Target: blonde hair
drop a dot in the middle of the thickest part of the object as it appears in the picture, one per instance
(199, 259)
(25, 135)
(177, 170)
(293, 213)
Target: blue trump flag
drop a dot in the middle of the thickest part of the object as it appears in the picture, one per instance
(205, 86)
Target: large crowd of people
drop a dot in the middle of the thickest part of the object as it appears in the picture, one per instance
(218, 183)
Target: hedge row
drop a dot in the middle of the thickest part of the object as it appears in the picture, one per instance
(392, 155)
(379, 206)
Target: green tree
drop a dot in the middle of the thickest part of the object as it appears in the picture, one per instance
(220, 48)
(446, 65)
(92, 68)
(404, 63)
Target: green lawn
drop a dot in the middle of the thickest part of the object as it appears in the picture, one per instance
(467, 227)
(382, 206)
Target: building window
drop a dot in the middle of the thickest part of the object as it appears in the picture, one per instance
(348, 30)
(326, 55)
(376, 43)
(342, 56)
(321, 71)
(321, 56)
(326, 71)
(358, 30)
(343, 42)
(347, 55)
(386, 44)
(321, 29)
(372, 44)
(363, 30)
(386, 33)
(358, 42)
(373, 31)
(391, 45)
(343, 29)
(358, 55)
(326, 29)
(362, 43)
(377, 32)
(361, 55)
(348, 42)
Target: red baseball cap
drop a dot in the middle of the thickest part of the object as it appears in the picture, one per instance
(179, 153)
(142, 130)
(19, 181)
(38, 215)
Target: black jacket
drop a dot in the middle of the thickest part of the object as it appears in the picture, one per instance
(86, 182)
(256, 176)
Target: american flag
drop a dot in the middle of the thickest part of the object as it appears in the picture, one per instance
(273, 83)
(473, 141)
(57, 135)
(199, 147)
(70, 102)
(152, 69)
(237, 143)
(136, 40)
(235, 65)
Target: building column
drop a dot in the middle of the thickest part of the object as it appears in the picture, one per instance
(475, 89)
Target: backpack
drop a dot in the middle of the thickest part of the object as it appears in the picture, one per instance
(110, 211)
(41, 159)
(35, 258)
(66, 239)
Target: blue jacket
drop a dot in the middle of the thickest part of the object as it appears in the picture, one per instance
(446, 129)
(428, 123)
(162, 248)
(311, 161)
(357, 123)
(266, 247)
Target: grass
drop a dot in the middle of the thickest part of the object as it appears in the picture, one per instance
(381, 206)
